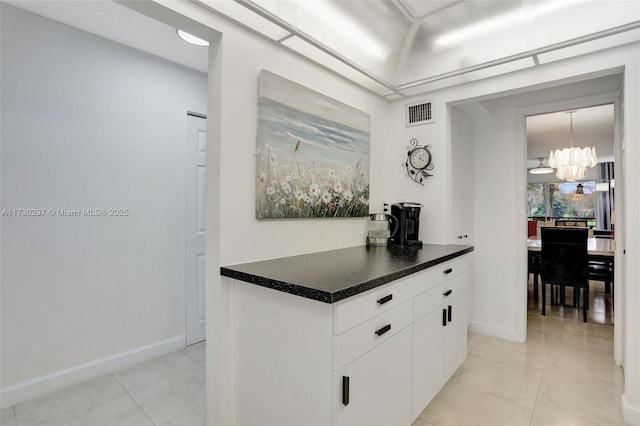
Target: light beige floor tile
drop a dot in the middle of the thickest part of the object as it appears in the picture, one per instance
(570, 327)
(195, 417)
(69, 399)
(585, 364)
(519, 385)
(559, 339)
(167, 396)
(118, 410)
(472, 340)
(7, 417)
(593, 331)
(579, 401)
(197, 352)
(420, 422)
(532, 355)
(541, 419)
(458, 405)
(148, 370)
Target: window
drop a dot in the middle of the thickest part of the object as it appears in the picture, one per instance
(536, 200)
(556, 200)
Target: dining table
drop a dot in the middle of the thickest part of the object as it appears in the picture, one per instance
(596, 247)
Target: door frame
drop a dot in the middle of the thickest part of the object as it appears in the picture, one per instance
(521, 150)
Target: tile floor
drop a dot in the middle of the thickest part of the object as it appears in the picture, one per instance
(564, 375)
(169, 390)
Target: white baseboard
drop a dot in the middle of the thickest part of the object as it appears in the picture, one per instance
(495, 331)
(43, 385)
(630, 413)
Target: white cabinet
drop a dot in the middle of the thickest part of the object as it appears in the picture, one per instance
(372, 360)
(457, 307)
(376, 358)
(375, 389)
(428, 360)
(441, 317)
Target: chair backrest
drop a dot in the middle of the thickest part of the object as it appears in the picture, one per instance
(564, 256)
(542, 224)
(576, 223)
(598, 233)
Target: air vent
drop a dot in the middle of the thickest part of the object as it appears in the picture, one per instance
(419, 113)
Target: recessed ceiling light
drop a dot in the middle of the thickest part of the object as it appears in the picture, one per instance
(191, 39)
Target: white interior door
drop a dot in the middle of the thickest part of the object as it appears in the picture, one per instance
(195, 232)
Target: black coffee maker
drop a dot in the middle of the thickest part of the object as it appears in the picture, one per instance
(408, 216)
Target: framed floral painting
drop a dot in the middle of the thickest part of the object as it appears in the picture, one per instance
(313, 153)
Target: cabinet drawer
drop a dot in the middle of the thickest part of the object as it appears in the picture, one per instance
(428, 300)
(455, 285)
(353, 311)
(357, 341)
(437, 274)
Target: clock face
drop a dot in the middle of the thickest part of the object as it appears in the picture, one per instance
(420, 158)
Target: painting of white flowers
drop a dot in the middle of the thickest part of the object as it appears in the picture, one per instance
(313, 153)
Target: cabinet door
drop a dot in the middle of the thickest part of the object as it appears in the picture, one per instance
(375, 389)
(461, 179)
(428, 359)
(456, 331)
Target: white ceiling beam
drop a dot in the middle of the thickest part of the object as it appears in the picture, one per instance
(407, 43)
(260, 11)
(527, 54)
(404, 9)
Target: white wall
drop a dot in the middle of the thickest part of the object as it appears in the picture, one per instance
(87, 123)
(243, 237)
(433, 194)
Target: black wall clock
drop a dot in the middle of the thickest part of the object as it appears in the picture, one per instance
(418, 161)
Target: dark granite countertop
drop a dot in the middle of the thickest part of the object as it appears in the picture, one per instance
(330, 276)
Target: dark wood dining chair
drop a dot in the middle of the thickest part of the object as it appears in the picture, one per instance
(565, 263)
(601, 268)
(535, 268)
(604, 234)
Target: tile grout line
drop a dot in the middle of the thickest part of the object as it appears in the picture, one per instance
(185, 412)
(133, 399)
(489, 393)
(544, 372)
(190, 357)
(15, 416)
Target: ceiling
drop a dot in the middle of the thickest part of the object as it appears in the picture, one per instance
(394, 48)
(115, 22)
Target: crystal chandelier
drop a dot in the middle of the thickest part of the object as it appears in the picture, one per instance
(571, 163)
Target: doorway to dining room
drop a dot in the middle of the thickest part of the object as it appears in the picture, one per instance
(584, 200)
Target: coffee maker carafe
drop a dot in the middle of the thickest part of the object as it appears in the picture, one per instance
(408, 217)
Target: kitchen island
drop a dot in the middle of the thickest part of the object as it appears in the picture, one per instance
(362, 335)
